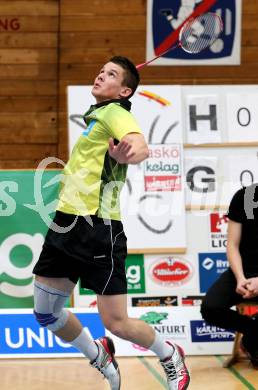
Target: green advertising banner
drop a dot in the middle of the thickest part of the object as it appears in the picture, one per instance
(134, 274)
(27, 201)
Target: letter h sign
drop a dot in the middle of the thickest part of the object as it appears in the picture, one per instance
(211, 117)
(202, 119)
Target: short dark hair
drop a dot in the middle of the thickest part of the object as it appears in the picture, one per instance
(132, 77)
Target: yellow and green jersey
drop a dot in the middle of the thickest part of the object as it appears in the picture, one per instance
(92, 180)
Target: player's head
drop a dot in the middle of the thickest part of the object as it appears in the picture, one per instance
(131, 74)
(117, 79)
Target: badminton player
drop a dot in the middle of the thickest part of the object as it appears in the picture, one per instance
(87, 241)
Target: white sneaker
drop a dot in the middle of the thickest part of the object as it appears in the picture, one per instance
(178, 377)
(106, 363)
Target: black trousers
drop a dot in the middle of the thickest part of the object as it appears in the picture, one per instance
(216, 306)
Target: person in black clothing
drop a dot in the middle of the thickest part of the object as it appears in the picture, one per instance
(240, 282)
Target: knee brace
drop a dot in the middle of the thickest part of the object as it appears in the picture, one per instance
(49, 306)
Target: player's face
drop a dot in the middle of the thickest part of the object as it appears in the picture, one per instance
(109, 83)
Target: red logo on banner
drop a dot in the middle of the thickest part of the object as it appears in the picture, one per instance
(162, 183)
(162, 170)
(218, 223)
(171, 271)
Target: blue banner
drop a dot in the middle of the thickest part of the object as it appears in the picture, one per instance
(202, 332)
(167, 18)
(211, 266)
(20, 334)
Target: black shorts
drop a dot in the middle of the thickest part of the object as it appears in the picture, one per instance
(94, 254)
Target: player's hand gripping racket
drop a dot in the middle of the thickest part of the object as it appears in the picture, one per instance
(195, 35)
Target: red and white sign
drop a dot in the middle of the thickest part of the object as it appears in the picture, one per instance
(164, 274)
(170, 271)
(162, 170)
(218, 231)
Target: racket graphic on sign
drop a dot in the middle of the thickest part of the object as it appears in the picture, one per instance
(195, 35)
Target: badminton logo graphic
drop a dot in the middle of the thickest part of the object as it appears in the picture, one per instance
(218, 231)
(167, 19)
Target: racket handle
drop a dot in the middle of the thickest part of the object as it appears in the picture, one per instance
(139, 66)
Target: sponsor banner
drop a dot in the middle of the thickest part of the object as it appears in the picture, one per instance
(21, 335)
(201, 332)
(218, 231)
(211, 266)
(169, 272)
(171, 323)
(164, 321)
(135, 274)
(162, 170)
(165, 19)
(191, 300)
(154, 301)
(27, 199)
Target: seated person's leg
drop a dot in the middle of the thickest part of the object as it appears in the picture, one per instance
(216, 306)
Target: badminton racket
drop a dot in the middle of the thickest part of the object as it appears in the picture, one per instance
(195, 35)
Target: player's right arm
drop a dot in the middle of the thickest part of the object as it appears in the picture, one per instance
(132, 149)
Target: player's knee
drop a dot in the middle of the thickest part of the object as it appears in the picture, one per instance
(117, 328)
(49, 307)
(52, 321)
(118, 331)
(208, 311)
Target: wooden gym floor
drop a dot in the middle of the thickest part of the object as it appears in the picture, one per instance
(137, 373)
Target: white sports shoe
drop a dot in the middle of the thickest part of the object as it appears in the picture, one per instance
(178, 377)
(106, 363)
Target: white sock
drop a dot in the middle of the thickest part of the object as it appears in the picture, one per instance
(86, 345)
(161, 348)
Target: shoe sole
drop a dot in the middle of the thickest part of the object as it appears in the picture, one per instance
(112, 351)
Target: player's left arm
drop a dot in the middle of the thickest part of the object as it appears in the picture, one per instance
(132, 149)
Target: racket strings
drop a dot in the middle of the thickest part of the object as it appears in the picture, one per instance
(197, 34)
(200, 33)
